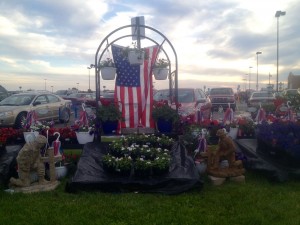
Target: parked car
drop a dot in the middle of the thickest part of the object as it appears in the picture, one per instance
(291, 92)
(190, 101)
(261, 98)
(63, 93)
(81, 97)
(222, 97)
(107, 97)
(14, 109)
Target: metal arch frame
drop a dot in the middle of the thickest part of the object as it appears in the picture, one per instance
(97, 60)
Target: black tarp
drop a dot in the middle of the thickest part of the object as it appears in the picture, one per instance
(90, 175)
(8, 163)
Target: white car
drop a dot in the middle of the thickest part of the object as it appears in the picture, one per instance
(261, 98)
(47, 106)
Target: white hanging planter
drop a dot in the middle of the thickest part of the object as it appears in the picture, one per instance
(84, 137)
(136, 57)
(30, 136)
(160, 73)
(233, 132)
(108, 73)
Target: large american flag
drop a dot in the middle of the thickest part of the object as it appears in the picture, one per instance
(133, 88)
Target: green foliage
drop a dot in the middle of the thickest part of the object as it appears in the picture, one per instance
(255, 202)
(165, 112)
(109, 112)
(106, 63)
(161, 63)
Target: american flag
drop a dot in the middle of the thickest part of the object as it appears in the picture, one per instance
(133, 88)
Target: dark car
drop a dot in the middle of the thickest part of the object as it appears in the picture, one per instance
(222, 97)
(14, 109)
(81, 97)
(190, 101)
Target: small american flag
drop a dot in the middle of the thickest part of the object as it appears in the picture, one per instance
(133, 88)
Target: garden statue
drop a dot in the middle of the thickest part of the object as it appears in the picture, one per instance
(29, 159)
(225, 151)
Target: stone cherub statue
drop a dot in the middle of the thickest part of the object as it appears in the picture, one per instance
(225, 151)
(29, 159)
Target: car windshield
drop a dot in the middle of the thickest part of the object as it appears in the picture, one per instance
(262, 94)
(184, 95)
(221, 91)
(17, 100)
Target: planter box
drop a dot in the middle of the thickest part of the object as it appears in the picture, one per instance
(160, 73)
(108, 73)
(136, 57)
(289, 157)
(84, 137)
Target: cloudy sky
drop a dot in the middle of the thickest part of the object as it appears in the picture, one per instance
(46, 43)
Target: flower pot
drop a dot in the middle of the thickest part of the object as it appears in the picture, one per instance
(108, 73)
(164, 126)
(84, 137)
(160, 73)
(30, 136)
(60, 172)
(109, 127)
(233, 132)
(136, 57)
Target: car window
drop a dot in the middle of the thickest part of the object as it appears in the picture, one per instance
(221, 91)
(161, 95)
(186, 96)
(17, 100)
(42, 99)
(262, 94)
(199, 94)
(53, 99)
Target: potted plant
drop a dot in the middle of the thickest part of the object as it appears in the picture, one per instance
(135, 56)
(109, 163)
(109, 115)
(233, 128)
(280, 140)
(142, 168)
(85, 132)
(161, 164)
(107, 69)
(165, 116)
(160, 69)
(123, 165)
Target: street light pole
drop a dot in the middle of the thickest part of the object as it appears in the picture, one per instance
(89, 68)
(45, 84)
(257, 53)
(249, 77)
(277, 15)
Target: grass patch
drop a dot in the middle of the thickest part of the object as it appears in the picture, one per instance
(257, 202)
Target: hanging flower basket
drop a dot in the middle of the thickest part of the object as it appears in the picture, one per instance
(160, 73)
(108, 73)
(84, 137)
(136, 57)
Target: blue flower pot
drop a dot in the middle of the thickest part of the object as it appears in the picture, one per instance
(109, 127)
(164, 126)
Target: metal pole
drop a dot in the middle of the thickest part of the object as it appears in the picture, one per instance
(277, 53)
(256, 72)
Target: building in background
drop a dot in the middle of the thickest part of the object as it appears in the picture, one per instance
(293, 81)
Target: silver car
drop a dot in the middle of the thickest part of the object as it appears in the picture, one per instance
(261, 98)
(47, 106)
